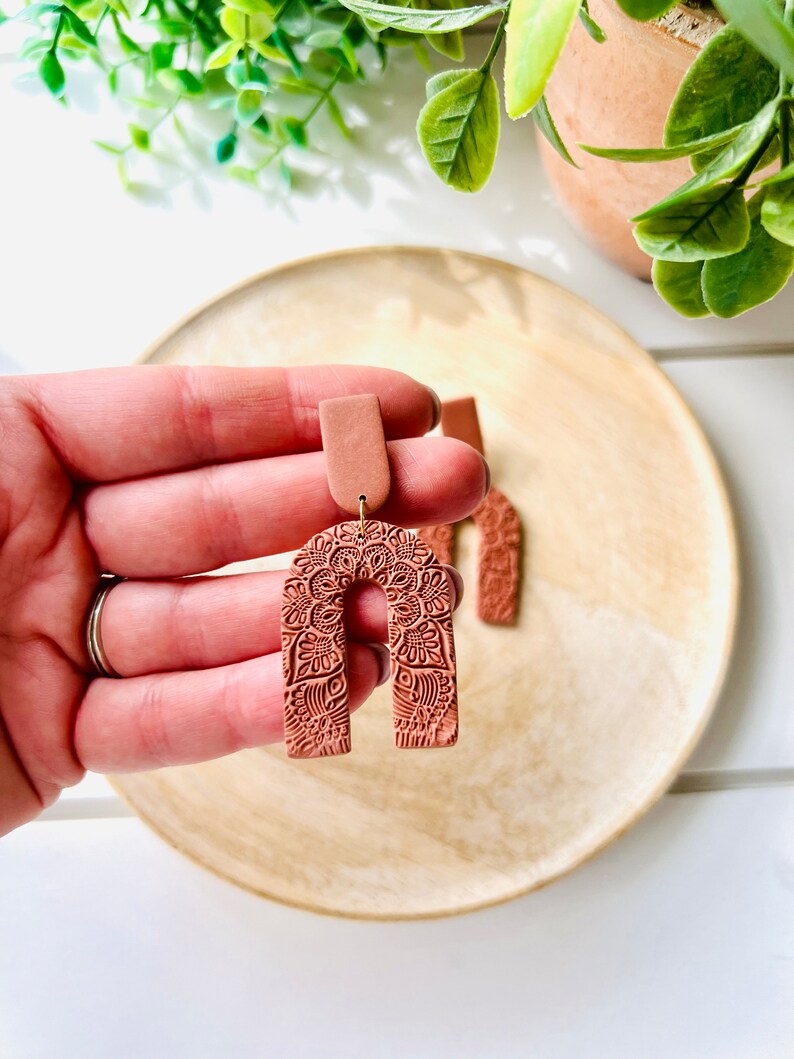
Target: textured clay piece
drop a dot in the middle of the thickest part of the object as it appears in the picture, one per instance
(498, 559)
(459, 420)
(421, 645)
(355, 451)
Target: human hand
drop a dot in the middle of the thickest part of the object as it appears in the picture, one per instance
(156, 473)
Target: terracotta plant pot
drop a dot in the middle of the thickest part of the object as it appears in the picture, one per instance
(617, 94)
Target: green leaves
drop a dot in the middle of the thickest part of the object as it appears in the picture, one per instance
(712, 223)
(777, 211)
(139, 137)
(663, 154)
(678, 282)
(545, 123)
(412, 20)
(536, 34)
(732, 285)
(51, 73)
(643, 10)
(725, 87)
(458, 128)
(180, 81)
(223, 55)
(244, 27)
(749, 144)
(762, 24)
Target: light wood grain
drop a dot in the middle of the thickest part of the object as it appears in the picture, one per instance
(573, 722)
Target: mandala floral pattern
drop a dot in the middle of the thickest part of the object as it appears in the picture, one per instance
(424, 694)
(499, 555)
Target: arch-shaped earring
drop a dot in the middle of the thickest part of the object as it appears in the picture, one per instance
(499, 553)
(421, 643)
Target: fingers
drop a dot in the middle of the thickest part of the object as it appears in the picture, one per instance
(159, 626)
(179, 718)
(126, 422)
(202, 519)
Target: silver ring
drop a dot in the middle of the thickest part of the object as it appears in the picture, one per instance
(93, 632)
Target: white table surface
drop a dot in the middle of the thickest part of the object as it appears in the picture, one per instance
(678, 941)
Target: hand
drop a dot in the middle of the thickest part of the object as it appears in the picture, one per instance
(156, 473)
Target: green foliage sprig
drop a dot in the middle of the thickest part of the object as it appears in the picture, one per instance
(257, 71)
(715, 250)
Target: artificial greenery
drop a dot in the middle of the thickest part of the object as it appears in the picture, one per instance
(267, 69)
(722, 243)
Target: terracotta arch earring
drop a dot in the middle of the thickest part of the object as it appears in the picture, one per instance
(497, 520)
(421, 645)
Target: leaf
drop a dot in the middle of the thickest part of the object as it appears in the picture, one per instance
(161, 55)
(248, 107)
(119, 6)
(267, 51)
(34, 11)
(139, 137)
(438, 82)
(735, 284)
(458, 130)
(536, 34)
(284, 46)
(727, 163)
(787, 173)
(254, 77)
(644, 10)
(238, 172)
(295, 130)
(51, 73)
(113, 80)
(79, 28)
(663, 154)
(713, 223)
(545, 122)
(763, 26)
(171, 27)
(223, 55)
(337, 117)
(725, 87)
(128, 45)
(777, 212)
(240, 26)
(411, 20)
(179, 81)
(323, 38)
(251, 7)
(678, 283)
(225, 148)
(590, 24)
(449, 45)
(109, 148)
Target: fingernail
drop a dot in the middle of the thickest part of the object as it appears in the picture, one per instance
(436, 407)
(456, 586)
(487, 477)
(384, 662)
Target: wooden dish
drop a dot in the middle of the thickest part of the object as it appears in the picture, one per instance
(572, 723)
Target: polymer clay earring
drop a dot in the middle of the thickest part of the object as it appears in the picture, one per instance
(421, 645)
(497, 522)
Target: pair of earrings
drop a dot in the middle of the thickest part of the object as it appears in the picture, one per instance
(408, 567)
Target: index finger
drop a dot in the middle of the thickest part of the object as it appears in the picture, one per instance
(117, 423)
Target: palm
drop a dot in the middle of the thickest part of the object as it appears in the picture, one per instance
(47, 574)
(157, 474)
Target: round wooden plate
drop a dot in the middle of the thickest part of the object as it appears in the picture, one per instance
(573, 722)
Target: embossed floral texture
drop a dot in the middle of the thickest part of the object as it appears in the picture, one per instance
(498, 559)
(424, 695)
